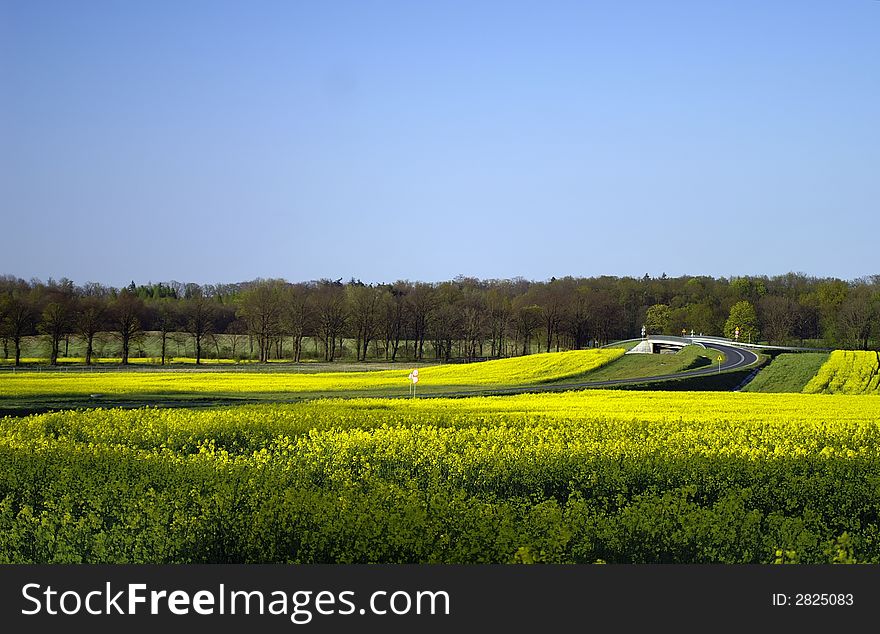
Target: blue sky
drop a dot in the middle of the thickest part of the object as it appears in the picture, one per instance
(222, 141)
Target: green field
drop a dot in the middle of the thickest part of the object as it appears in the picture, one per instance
(789, 372)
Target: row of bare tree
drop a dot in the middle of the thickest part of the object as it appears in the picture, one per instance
(462, 318)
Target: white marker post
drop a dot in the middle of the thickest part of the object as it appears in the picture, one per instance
(720, 359)
(414, 377)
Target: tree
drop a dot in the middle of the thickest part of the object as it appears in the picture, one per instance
(443, 327)
(4, 336)
(236, 334)
(331, 315)
(394, 317)
(56, 323)
(90, 320)
(830, 295)
(807, 324)
(19, 317)
(261, 308)
(744, 317)
(500, 310)
(166, 319)
(606, 316)
(126, 315)
(856, 317)
(472, 309)
(577, 322)
(528, 318)
(750, 289)
(658, 319)
(551, 298)
(778, 317)
(296, 316)
(364, 305)
(702, 318)
(459, 317)
(420, 303)
(198, 315)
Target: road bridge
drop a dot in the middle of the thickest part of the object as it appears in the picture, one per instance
(669, 343)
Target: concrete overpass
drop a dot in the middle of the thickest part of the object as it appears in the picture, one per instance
(654, 344)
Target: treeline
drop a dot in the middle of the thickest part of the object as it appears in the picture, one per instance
(462, 318)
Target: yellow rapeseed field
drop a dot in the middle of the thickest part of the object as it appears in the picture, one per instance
(578, 477)
(847, 372)
(533, 369)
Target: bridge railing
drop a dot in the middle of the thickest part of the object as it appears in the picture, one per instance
(673, 340)
(704, 340)
(759, 346)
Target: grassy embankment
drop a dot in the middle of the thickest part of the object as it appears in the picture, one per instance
(788, 372)
(637, 366)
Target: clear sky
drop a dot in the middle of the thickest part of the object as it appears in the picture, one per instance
(214, 141)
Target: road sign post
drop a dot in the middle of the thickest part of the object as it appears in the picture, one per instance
(414, 378)
(720, 359)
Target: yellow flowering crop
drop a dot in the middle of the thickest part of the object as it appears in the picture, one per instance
(532, 369)
(562, 478)
(847, 372)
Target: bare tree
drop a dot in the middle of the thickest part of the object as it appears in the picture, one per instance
(236, 333)
(420, 303)
(91, 318)
(330, 308)
(394, 318)
(3, 332)
(19, 316)
(126, 314)
(261, 307)
(551, 299)
(527, 320)
(198, 315)
(473, 323)
(57, 316)
(500, 313)
(297, 315)
(166, 319)
(364, 305)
